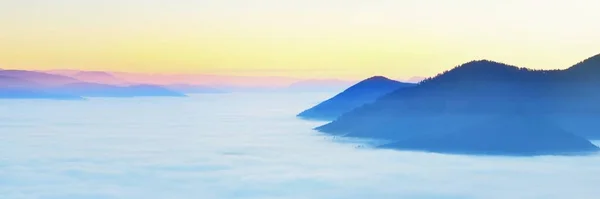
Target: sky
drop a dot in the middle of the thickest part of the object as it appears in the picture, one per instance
(297, 38)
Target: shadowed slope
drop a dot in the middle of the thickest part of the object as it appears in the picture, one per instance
(29, 84)
(580, 94)
(16, 88)
(186, 88)
(102, 90)
(357, 95)
(462, 101)
(472, 89)
(21, 93)
(503, 135)
(13, 82)
(589, 67)
(98, 77)
(40, 78)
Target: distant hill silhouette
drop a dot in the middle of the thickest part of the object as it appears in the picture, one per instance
(33, 84)
(99, 77)
(357, 95)
(16, 88)
(103, 90)
(22, 93)
(40, 78)
(13, 82)
(460, 101)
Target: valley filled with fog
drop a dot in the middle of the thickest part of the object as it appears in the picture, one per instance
(243, 145)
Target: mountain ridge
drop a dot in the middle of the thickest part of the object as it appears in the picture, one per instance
(33, 84)
(354, 96)
(465, 96)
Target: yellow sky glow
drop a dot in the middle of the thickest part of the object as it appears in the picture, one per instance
(308, 38)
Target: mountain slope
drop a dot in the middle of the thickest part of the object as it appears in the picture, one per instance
(357, 95)
(99, 77)
(463, 98)
(503, 135)
(588, 68)
(474, 88)
(103, 90)
(16, 88)
(186, 88)
(580, 93)
(23, 93)
(13, 82)
(40, 78)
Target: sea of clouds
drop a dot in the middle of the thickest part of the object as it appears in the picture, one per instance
(243, 146)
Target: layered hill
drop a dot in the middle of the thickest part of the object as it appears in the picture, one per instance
(16, 88)
(465, 99)
(580, 93)
(39, 78)
(13, 82)
(467, 93)
(20, 93)
(518, 135)
(103, 90)
(18, 84)
(99, 77)
(363, 92)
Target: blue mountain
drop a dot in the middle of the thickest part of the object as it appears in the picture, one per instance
(33, 84)
(39, 78)
(16, 88)
(19, 93)
(518, 135)
(467, 103)
(355, 96)
(580, 93)
(103, 90)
